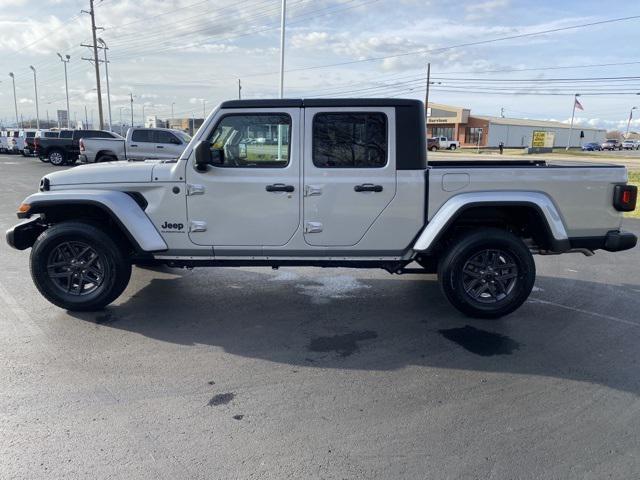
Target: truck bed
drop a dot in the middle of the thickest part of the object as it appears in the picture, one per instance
(581, 191)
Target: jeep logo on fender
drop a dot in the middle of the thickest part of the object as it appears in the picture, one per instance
(172, 226)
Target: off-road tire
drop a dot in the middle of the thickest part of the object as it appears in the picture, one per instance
(109, 259)
(458, 272)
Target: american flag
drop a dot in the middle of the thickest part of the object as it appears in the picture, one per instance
(578, 105)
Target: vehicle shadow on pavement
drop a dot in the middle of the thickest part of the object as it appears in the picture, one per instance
(569, 329)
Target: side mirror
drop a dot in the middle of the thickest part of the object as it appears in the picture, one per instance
(205, 156)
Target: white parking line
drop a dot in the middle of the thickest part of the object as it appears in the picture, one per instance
(588, 312)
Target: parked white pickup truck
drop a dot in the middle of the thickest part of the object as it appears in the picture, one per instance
(320, 182)
(440, 143)
(139, 144)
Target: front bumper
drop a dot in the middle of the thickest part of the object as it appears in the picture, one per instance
(614, 241)
(24, 234)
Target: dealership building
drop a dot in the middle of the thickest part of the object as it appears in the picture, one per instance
(457, 123)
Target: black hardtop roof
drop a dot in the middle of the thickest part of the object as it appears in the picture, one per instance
(321, 102)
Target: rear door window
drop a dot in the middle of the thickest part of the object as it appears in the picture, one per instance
(142, 136)
(350, 140)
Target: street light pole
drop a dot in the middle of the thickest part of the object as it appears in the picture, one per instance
(573, 114)
(65, 60)
(204, 108)
(106, 71)
(144, 119)
(35, 86)
(131, 98)
(629, 121)
(15, 100)
(283, 15)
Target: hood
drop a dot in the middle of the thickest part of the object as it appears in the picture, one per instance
(110, 172)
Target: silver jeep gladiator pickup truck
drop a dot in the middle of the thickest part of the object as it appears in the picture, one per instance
(320, 182)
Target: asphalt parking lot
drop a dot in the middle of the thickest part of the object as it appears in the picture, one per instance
(308, 373)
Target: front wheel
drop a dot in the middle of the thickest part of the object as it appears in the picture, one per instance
(487, 273)
(78, 267)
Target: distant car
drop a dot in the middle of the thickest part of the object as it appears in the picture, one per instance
(432, 144)
(631, 144)
(591, 147)
(3, 141)
(140, 144)
(12, 141)
(30, 140)
(611, 144)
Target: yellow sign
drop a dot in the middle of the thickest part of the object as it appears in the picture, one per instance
(538, 139)
(542, 139)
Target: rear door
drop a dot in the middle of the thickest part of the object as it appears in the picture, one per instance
(349, 172)
(142, 145)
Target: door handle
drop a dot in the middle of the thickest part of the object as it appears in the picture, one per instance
(279, 187)
(159, 146)
(368, 187)
(133, 145)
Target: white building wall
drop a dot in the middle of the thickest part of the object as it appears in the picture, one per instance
(520, 136)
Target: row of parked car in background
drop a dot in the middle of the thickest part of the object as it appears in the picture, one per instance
(64, 147)
(612, 144)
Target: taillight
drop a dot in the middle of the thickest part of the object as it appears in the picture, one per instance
(625, 197)
(81, 145)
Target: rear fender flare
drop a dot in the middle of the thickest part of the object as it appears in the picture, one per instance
(456, 205)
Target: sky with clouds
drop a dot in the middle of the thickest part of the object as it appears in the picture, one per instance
(191, 53)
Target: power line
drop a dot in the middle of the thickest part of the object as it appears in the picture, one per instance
(459, 45)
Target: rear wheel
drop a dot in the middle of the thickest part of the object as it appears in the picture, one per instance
(452, 147)
(434, 148)
(56, 157)
(106, 158)
(78, 267)
(487, 273)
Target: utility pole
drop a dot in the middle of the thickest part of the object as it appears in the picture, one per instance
(15, 100)
(131, 98)
(86, 118)
(629, 121)
(283, 15)
(172, 105)
(106, 71)
(35, 86)
(121, 120)
(426, 98)
(96, 60)
(66, 60)
(239, 90)
(204, 108)
(573, 114)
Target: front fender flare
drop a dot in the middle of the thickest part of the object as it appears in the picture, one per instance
(453, 207)
(121, 207)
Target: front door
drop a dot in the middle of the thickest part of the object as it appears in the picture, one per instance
(168, 145)
(349, 172)
(253, 198)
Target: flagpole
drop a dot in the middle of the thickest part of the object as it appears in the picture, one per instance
(573, 114)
